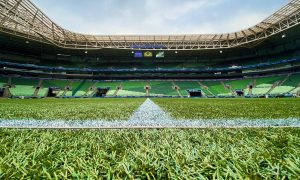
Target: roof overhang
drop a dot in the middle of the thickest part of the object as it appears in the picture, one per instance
(22, 18)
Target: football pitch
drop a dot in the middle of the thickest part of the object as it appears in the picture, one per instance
(212, 153)
(123, 109)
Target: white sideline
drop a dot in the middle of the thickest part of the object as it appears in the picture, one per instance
(149, 116)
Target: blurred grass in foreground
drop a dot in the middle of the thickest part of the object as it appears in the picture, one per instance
(161, 154)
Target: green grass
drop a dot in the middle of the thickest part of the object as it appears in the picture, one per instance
(231, 108)
(113, 109)
(69, 109)
(150, 154)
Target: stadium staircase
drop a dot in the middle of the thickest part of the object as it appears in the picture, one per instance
(278, 86)
(272, 87)
(228, 87)
(147, 89)
(92, 94)
(295, 90)
(75, 90)
(118, 89)
(94, 91)
(67, 88)
(37, 88)
(217, 88)
(177, 89)
(91, 91)
(205, 89)
(284, 80)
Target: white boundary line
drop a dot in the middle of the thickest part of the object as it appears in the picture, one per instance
(144, 128)
(168, 124)
(150, 116)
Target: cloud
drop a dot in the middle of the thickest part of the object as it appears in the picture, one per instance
(157, 16)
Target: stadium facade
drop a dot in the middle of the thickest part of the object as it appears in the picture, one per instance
(32, 46)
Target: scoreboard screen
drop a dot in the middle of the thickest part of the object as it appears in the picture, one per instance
(160, 54)
(148, 54)
(138, 54)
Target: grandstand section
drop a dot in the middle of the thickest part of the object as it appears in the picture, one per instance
(272, 85)
(23, 87)
(3, 81)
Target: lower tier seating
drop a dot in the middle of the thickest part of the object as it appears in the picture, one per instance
(274, 85)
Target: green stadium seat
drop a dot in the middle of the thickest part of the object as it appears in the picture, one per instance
(217, 88)
(23, 87)
(187, 85)
(162, 88)
(26, 87)
(3, 81)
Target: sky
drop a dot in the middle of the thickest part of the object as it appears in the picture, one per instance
(157, 17)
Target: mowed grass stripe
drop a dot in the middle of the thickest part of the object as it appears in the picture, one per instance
(69, 109)
(231, 108)
(150, 154)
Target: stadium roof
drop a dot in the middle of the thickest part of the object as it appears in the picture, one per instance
(23, 18)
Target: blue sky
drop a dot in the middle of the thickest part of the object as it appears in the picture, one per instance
(158, 16)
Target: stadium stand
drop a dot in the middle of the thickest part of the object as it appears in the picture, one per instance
(217, 88)
(162, 88)
(133, 88)
(184, 86)
(23, 87)
(274, 85)
(82, 89)
(3, 81)
(112, 85)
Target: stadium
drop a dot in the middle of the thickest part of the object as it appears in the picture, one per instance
(189, 106)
